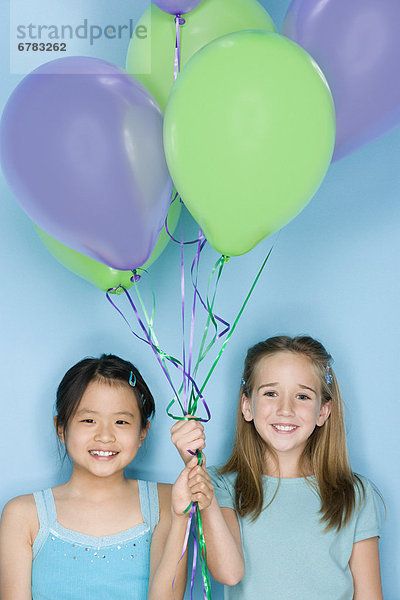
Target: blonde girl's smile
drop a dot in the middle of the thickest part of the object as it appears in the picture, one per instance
(282, 428)
(285, 403)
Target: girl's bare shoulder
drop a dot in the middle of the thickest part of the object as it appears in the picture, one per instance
(20, 506)
(19, 514)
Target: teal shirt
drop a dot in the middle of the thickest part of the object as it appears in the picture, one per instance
(68, 565)
(288, 556)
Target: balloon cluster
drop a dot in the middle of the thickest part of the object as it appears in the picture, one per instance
(248, 133)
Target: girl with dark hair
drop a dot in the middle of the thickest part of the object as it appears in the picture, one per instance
(100, 536)
(289, 518)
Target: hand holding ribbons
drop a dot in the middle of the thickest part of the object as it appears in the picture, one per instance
(188, 437)
(193, 485)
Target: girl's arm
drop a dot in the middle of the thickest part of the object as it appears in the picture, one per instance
(364, 566)
(16, 538)
(221, 527)
(221, 531)
(167, 542)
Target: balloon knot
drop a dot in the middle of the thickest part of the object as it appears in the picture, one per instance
(180, 20)
(135, 277)
(115, 290)
(226, 258)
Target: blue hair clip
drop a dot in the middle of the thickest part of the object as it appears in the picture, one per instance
(133, 383)
(133, 376)
(328, 375)
(243, 382)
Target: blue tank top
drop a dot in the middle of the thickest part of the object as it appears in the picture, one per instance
(67, 565)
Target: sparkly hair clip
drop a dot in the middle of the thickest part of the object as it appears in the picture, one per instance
(243, 382)
(328, 375)
(132, 383)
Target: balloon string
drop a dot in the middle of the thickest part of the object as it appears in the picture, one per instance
(201, 241)
(195, 546)
(186, 372)
(201, 235)
(210, 308)
(161, 357)
(185, 542)
(185, 396)
(191, 407)
(221, 261)
(211, 319)
(194, 274)
(203, 555)
(199, 546)
(194, 271)
(187, 376)
(148, 340)
(237, 319)
(177, 61)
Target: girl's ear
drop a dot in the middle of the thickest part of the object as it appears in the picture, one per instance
(246, 408)
(60, 431)
(143, 433)
(324, 413)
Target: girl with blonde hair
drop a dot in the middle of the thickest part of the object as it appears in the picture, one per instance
(288, 518)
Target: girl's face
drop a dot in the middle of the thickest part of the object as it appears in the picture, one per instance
(285, 403)
(105, 433)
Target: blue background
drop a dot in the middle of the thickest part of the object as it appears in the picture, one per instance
(333, 274)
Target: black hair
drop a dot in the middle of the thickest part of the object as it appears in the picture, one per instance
(109, 369)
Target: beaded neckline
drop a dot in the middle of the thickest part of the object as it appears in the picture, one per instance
(69, 535)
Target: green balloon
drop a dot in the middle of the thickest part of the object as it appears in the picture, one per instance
(249, 132)
(152, 60)
(101, 275)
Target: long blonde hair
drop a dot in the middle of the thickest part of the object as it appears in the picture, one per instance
(326, 449)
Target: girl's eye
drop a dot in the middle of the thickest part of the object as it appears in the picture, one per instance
(303, 397)
(270, 394)
(120, 422)
(87, 421)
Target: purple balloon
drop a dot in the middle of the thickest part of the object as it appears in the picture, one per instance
(357, 45)
(177, 7)
(81, 148)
